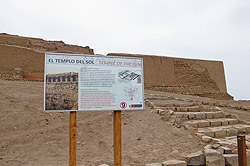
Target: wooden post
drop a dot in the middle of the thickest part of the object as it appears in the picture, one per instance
(117, 139)
(242, 155)
(72, 138)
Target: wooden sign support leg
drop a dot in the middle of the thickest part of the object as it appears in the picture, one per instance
(117, 139)
(242, 156)
(72, 138)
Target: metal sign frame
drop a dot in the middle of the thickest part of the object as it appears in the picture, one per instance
(102, 83)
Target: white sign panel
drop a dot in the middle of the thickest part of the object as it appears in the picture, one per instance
(87, 83)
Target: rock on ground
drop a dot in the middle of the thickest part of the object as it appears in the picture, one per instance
(153, 164)
(214, 158)
(197, 158)
(231, 159)
(174, 163)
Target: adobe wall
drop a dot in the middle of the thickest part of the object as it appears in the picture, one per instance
(42, 45)
(186, 76)
(21, 57)
(28, 54)
(29, 61)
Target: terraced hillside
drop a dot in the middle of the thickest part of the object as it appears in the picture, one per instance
(214, 123)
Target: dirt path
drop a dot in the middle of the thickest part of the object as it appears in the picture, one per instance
(31, 137)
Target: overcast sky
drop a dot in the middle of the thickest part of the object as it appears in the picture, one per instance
(200, 29)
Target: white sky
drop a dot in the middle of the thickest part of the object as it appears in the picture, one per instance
(200, 29)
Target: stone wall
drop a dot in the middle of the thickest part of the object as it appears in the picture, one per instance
(186, 76)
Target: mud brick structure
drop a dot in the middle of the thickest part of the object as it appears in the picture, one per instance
(186, 76)
(62, 91)
(28, 54)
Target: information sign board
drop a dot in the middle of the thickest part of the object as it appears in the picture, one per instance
(74, 82)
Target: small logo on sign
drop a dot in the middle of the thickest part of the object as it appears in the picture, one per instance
(123, 104)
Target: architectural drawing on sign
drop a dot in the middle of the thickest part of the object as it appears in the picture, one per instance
(128, 75)
(132, 93)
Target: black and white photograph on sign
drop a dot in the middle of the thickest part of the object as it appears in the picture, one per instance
(61, 91)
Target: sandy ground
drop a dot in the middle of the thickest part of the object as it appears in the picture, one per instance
(30, 136)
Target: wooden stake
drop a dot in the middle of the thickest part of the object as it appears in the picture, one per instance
(117, 139)
(72, 138)
(242, 155)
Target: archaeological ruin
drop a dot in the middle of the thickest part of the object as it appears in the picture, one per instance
(186, 76)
